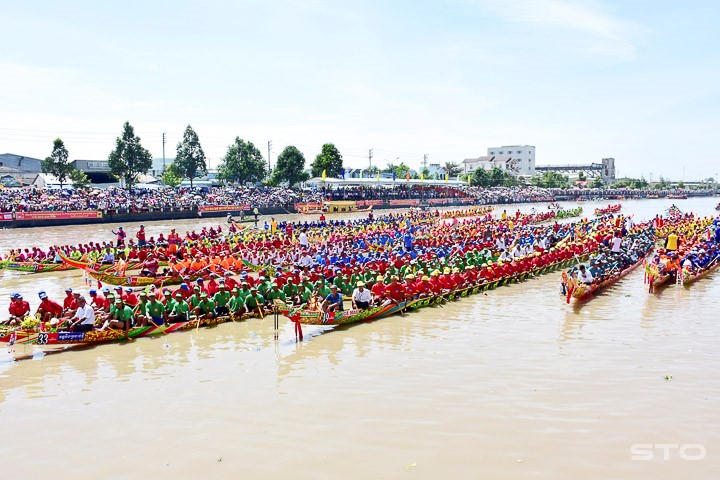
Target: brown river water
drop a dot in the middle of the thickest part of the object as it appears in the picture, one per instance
(514, 384)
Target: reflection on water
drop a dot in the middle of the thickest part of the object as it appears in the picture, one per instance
(513, 384)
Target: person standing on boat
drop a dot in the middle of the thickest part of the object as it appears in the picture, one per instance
(140, 235)
(673, 242)
(120, 236)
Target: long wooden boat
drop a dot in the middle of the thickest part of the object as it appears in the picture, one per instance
(137, 280)
(316, 317)
(568, 213)
(79, 264)
(583, 291)
(34, 267)
(28, 337)
(609, 209)
(689, 279)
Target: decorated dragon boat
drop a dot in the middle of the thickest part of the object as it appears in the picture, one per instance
(608, 210)
(34, 267)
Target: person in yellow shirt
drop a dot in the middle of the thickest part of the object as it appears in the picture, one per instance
(273, 226)
(671, 245)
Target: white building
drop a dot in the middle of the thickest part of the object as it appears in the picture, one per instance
(484, 163)
(520, 158)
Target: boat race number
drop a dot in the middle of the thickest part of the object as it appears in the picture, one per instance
(57, 215)
(42, 339)
(328, 317)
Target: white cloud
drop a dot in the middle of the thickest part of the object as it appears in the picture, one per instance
(607, 33)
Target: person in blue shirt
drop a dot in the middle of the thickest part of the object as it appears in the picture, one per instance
(334, 301)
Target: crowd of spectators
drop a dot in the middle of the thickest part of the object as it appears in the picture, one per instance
(159, 199)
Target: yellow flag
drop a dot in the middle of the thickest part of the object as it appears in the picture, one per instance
(447, 177)
(324, 175)
(422, 177)
(378, 177)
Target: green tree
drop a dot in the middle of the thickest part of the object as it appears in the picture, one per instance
(425, 172)
(371, 172)
(681, 184)
(552, 180)
(661, 184)
(57, 163)
(242, 163)
(78, 178)
(497, 177)
(453, 169)
(597, 182)
(130, 158)
(329, 160)
(171, 177)
(290, 167)
(582, 177)
(401, 170)
(190, 158)
(480, 178)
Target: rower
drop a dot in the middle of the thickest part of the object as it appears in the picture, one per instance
(333, 302)
(84, 318)
(361, 297)
(585, 276)
(18, 309)
(48, 308)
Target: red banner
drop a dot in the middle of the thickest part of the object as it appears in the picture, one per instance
(437, 201)
(223, 208)
(57, 215)
(365, 203)
(407, 202)
(6, 217)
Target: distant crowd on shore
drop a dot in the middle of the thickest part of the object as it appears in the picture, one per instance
(137, 200)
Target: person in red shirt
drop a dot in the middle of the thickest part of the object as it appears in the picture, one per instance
(378, 290)
(69, 303)
(230, 283)
(130, 297)
(18, 309)
(423, 288)
(97, 301)
(394, 293)
(212, 285)
(48, 308)
(409, 286)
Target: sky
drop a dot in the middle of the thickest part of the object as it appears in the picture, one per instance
(580, 80)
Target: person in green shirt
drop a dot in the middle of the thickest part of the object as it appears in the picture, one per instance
(155, 310)
(236, 303)
(169, 302)
(302, 296)
(290, 290)
(321, 290)
(275, 294)
(221, 299)
(180, 309)
(140, 310)
(253, 301)
(194, 299)
(205, 307)
(244, 290)
(122, 316)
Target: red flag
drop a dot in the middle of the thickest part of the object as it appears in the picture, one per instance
(407, 176)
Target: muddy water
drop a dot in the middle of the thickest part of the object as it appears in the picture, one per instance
(512, 384)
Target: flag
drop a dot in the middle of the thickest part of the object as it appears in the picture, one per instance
(447, 177)
(422, 177)
(378, 177)
(407, 176)
(324, 175)
(394, 176)
(361, 172)
(342, 172)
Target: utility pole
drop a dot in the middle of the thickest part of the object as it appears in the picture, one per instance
(425, 160)
(163, 138)
(269, 162)
(370, 158)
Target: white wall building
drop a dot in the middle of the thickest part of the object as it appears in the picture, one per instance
(522, 158)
